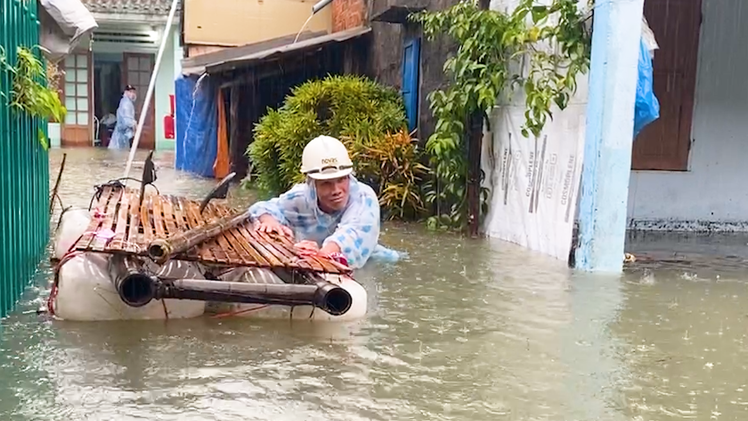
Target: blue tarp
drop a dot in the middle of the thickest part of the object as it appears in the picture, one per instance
(646, 106)
(196, 126)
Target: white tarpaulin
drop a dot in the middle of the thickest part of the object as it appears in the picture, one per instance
(64, 24)
(534, 182)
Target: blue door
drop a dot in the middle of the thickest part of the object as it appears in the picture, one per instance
(411, 65)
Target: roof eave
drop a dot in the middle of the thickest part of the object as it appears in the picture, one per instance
(232, 63)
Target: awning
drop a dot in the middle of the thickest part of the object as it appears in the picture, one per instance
(237, 57)
(63, 25)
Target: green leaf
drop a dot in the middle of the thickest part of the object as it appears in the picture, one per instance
(43, 139)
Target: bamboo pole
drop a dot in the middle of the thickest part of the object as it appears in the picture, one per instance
(161, 250)
(57, 184)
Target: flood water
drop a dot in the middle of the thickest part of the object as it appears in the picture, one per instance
(462, 330)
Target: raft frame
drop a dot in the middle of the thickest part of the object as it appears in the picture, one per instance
(139, 228)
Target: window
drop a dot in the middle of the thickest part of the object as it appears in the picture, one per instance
(76, 89)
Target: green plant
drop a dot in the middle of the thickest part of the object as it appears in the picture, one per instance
(497, 53)
(30, 95)
(393, 160)
(342, 106)
(53, 77)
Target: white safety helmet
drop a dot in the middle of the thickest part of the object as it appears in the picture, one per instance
(325, 158)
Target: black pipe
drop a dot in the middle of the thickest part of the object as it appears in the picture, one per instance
(332, 298)
(328, 297)
(135, 287)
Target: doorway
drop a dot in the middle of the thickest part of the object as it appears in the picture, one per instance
(107, 93)
(136, 71)
(112, 72)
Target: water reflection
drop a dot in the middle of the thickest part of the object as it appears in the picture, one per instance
(462, 330)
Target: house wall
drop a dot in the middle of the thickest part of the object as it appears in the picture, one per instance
(347, 14)
(234, 23)
(164, 80)
(712, 194)
(386, 58)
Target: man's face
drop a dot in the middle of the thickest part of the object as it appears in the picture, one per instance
(333, 194)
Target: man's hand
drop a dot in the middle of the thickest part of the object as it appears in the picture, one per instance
(268, 224)
(307, 248)
(310, 248)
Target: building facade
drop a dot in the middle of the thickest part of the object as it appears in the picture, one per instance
(122, 52)
(688, 166)
(242, 58)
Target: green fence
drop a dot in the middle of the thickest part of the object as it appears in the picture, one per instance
(24, 166)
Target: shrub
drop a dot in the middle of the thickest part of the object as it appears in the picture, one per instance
(368, 117)
(392, 161)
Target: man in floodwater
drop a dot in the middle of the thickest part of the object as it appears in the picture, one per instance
(124, 130)
(332, 214)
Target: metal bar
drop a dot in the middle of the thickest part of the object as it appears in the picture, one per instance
(151, 86)
(24, 170)
(324, 295)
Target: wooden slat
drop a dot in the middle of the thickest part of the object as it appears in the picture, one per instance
(211, 246)
(134, 237)
(242, 236)
(245, 253)
(164, 215)
(99, 243)
(158, 215)
(223, 241)
(145, 219)
(219, 246)
(171, 225)
(119, 242)
(289, 254)
(320, 265)
(267, 245)
(101, 202)
(204, 252)
(183, 224)
(271, 258)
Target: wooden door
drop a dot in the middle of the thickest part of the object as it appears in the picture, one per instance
(76, 129)
(410, 91)
(665, 143)
(136, 71)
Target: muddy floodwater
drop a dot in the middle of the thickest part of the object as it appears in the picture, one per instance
(461, 330)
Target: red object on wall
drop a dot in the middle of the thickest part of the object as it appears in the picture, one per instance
(169, 127)
(169, 120)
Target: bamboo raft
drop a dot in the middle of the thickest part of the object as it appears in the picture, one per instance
(155, 250)
(164, 217)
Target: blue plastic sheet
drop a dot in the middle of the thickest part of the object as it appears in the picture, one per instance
(646, 107)
(196, 126)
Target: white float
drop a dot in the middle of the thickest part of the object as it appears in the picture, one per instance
(85, 290)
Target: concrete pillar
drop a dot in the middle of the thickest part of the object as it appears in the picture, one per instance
(609, 136)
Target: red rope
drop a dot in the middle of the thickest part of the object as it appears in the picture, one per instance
(236, 313)
(71, 253)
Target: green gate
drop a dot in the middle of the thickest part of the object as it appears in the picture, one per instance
(24, 166)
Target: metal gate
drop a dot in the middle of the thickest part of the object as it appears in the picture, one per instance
(24, 165)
